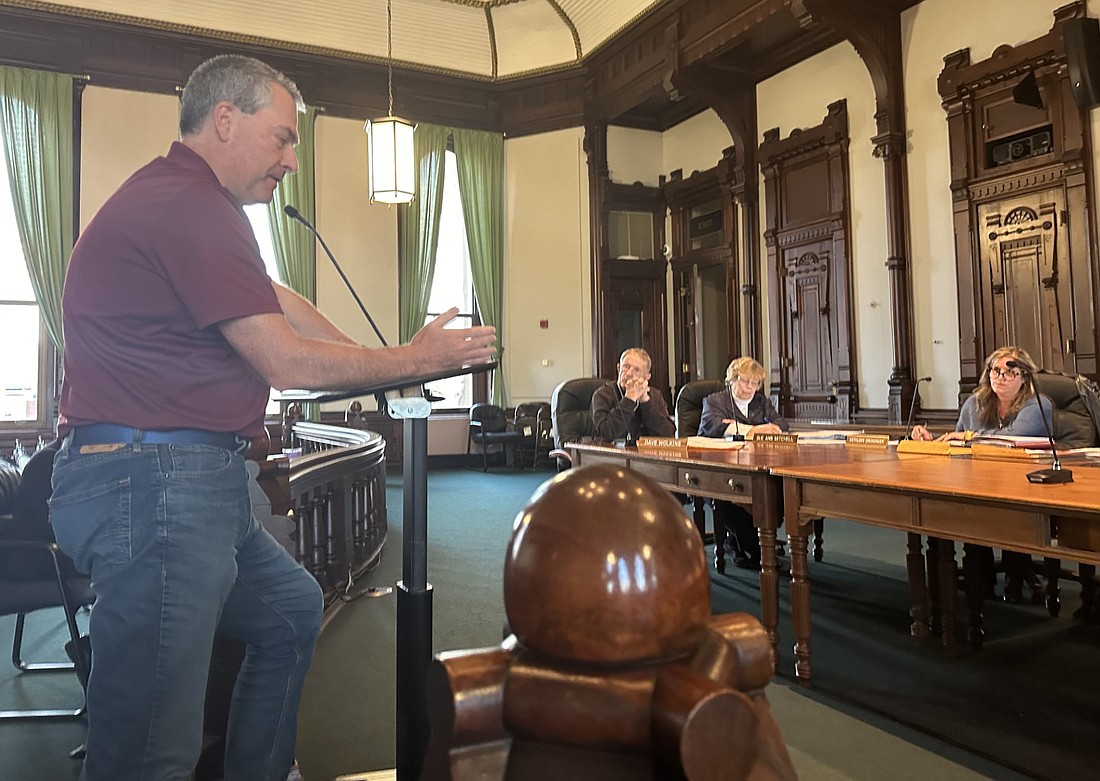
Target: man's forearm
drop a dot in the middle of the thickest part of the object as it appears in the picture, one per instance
(286, 359)
(306, 319)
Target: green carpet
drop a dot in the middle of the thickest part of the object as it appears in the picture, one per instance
(1029, 700)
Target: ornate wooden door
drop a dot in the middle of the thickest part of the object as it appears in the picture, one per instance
(809, 279)
(1027, 284)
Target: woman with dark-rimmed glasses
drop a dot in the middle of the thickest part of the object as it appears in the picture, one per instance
(1004, 403)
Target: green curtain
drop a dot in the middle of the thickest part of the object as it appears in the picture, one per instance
(420, 228)
(295, 246)
(480, 159)
(36, 113)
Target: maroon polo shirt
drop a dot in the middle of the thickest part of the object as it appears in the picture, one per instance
(169, 256)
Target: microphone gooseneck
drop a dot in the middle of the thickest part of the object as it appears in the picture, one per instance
(913, 406)
(1056, 474)
(294, 214)
(736, 436)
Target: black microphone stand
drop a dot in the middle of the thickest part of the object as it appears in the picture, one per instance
(1056, 474)
(913, 406)
(294, 214)
(736, 436)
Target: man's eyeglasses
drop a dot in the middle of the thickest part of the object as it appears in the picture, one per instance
(1004, 374)
(754, 384)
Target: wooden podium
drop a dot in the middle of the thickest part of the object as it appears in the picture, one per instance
(406, 400)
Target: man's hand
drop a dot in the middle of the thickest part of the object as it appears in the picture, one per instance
(438, 348)
(637, 389)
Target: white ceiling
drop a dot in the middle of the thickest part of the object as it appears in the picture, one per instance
(488, 39)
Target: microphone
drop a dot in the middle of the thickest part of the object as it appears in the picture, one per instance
(1056, 474)
(913, 407)
(736, 436)
(394, 397)
(294, 214)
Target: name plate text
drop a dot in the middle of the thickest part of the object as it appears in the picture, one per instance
(776, 439)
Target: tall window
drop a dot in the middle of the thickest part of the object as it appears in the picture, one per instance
(453, 285)
(23, 369)
(261, 226)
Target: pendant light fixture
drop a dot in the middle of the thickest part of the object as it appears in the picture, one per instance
(390, 140)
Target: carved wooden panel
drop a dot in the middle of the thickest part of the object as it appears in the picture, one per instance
(1021, 192)
(806, 195)
(1030, 298)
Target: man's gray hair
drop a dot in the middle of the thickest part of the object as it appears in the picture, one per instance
(638, 352)
(243, 81)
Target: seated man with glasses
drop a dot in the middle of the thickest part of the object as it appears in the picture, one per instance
(739, 410)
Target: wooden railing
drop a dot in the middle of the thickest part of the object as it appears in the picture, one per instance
(337, 491)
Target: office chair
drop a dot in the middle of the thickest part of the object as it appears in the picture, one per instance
(35, 575)
(488, 427)
(687, 414)
(532, 421)
(1075, 401)
(571, 415)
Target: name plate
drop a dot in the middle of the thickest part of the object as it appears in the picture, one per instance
(926, 448)
(868, 440)
(663, 444)
(776, 439)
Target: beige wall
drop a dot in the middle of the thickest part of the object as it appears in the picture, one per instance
(547, 265)
(120, 132)
(361, 235)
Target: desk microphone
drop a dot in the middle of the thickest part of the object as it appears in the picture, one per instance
(913, 407)
(1056, 474)
(294, 214)
(736, 436)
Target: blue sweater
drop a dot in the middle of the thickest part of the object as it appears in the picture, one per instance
(1025, 423)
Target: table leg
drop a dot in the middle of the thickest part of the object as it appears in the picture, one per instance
(978, 574)
(918, 587)
(1087, 612)
(800, 602)
(935, 620)
(1053, 570)
(766, 515)
(769, 585)
(948, 580)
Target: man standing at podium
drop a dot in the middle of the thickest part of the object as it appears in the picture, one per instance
(174, 335)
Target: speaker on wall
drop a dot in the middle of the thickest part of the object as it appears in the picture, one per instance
(1082, 41)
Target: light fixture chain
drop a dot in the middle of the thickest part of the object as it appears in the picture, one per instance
(389, 52)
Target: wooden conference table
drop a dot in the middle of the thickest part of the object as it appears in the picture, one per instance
(989, 502)
(744, 476)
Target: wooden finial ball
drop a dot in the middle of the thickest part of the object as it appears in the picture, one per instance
(604, 565)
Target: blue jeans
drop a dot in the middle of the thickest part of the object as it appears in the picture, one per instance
(174, 553)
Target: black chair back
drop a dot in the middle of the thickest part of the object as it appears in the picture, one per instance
(492, 418)
(689, 405)
(1073, 425)
(571, 410)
